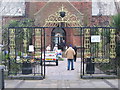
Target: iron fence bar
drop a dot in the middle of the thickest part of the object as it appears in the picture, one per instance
(41, 55)
(91, 45)
(44, 51)
(35, 47)
(15, 52)
(104, 54)
(8, 53)
(102, 42)
(81, 41)
(66, 27)
(96, 44)
(80, 54)
(109, 43)
(83, 52)
(33, 35)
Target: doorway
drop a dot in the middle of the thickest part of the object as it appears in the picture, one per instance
(58, 36)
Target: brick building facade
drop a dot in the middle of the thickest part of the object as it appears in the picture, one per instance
(41, 13)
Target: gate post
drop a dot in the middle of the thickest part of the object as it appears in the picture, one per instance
(2, 67)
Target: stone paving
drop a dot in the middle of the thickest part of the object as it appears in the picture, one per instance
(60, 77)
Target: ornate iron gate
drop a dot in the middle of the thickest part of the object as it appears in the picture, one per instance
(97, 48)
(26, 46)
(98, 52)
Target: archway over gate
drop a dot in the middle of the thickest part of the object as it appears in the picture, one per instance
(63, 18)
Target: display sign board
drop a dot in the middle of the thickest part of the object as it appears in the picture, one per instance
(95, 38)
(31, 48)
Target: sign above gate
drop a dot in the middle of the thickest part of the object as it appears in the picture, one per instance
(95, 38)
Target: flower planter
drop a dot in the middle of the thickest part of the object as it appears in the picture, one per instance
(26, 68)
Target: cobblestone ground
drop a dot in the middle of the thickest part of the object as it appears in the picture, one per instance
(60, 77)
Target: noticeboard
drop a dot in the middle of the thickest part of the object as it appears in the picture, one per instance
(31, 48)
(95, 38)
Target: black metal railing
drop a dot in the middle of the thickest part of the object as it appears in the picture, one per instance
(97, 48)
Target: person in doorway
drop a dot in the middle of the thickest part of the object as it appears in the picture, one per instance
(48, 48)
(75, 48)
(70, 56)
(63, 45)
(55, 48)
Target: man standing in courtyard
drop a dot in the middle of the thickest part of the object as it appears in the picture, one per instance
(70, 56)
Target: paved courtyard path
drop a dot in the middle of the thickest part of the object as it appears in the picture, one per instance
(60, 77)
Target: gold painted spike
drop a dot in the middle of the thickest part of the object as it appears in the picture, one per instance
(62, 9)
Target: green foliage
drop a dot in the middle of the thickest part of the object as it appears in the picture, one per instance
(26, 23)
(0, 58)
(19, 39)
(7, 56)
(116, 21)
(19, 53)
(18, 32)
(61, 59)
(106, 34)
(14, 23)
(15, 68)
(94, 48)
(22, 23)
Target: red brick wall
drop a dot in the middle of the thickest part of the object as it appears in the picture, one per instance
(71, 38)
(34, 7)
(48, 36)
(85, 8)
(76, 40)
